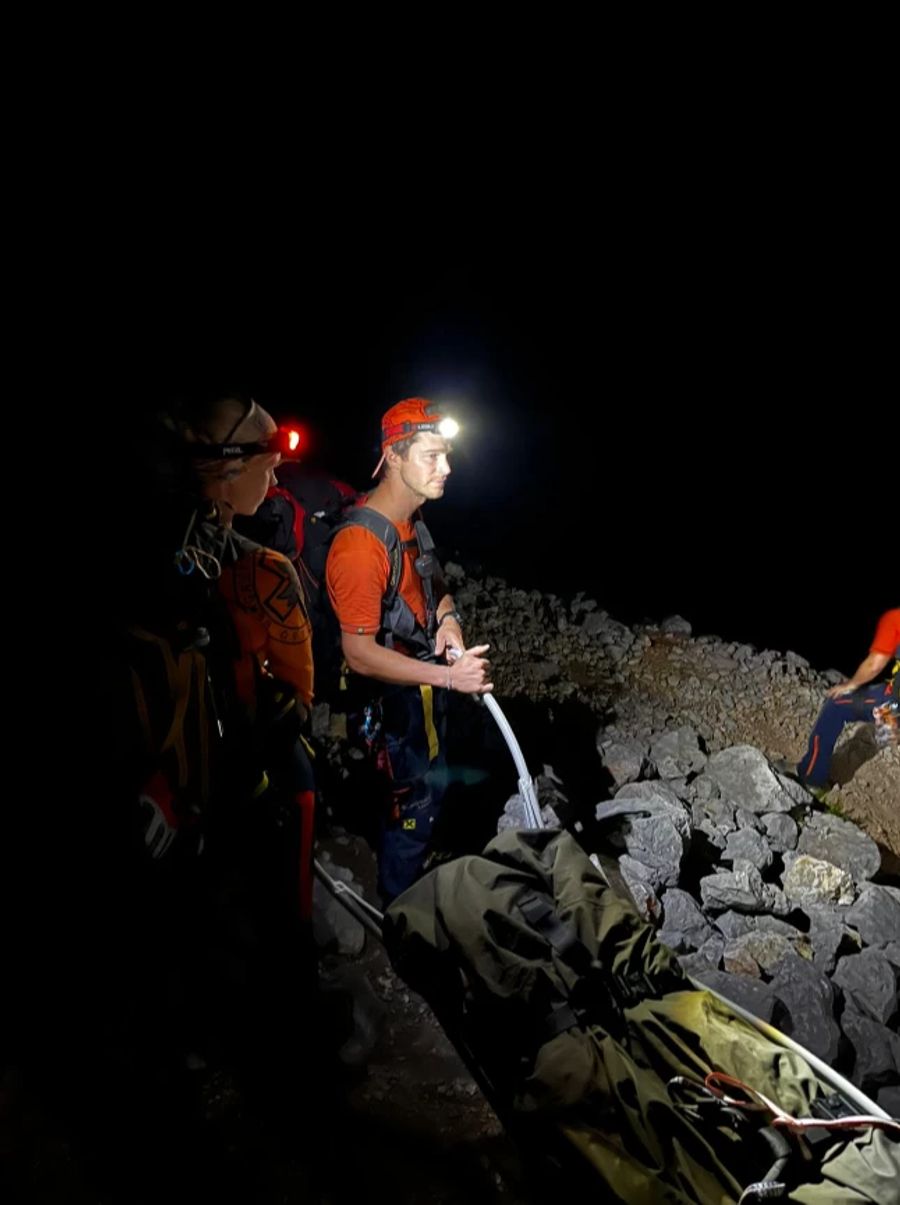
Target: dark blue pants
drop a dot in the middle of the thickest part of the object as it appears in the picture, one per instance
(814, 766)
(411, 756)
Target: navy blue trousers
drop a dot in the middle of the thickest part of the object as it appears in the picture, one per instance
(411, 756)
(815, 765)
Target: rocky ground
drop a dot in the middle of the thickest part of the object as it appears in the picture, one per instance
(660, 676)
(574, 677)
(599, 707)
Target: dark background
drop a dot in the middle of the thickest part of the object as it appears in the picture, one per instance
(682, 410)
(672, 345)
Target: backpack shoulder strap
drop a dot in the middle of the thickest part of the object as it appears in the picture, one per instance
(430, 572)
(385, 531)
(423, 538)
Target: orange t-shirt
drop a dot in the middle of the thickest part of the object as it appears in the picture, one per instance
(357, 575)
(263, 594)
(887, 634)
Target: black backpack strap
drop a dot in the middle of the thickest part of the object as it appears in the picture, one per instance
(385, 531)
(541, 915)
(597, 995)
(429, 570)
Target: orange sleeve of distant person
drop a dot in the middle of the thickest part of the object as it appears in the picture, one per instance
(266, 604)
(887, 634)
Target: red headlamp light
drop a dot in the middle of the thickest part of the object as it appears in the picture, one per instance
(287, 440)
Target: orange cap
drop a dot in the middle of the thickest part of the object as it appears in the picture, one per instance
(405, 419)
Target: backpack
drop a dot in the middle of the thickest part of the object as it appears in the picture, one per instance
(169, 730)
(166, 705)
(182, 744)
(298, 518)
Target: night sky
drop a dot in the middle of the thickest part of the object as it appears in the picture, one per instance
(672, 418)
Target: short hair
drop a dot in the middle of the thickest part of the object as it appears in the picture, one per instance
(401, 447)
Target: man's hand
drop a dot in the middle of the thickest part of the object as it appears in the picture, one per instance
(843, 688)
(868, 669)
(449, 635)
(468, 671)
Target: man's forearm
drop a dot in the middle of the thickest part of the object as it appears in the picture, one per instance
(868, 669)
(386, 665)
(444, 607)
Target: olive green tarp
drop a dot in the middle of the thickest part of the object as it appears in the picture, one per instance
(576, 1018)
